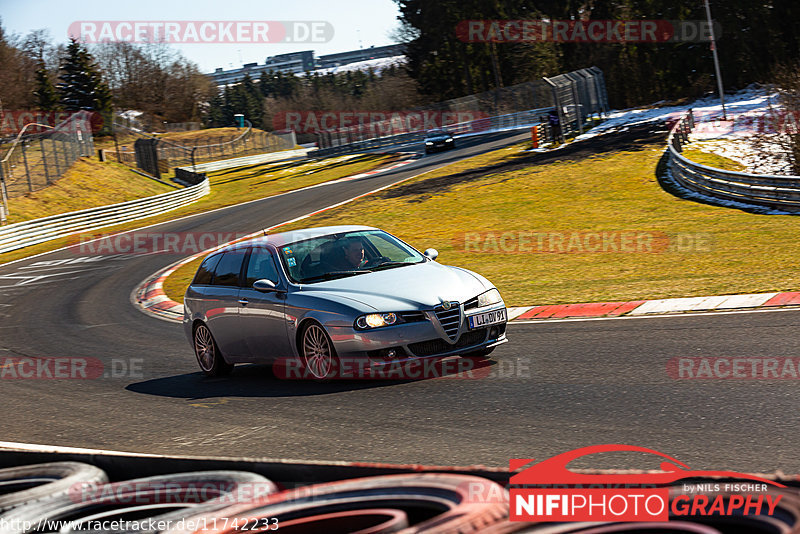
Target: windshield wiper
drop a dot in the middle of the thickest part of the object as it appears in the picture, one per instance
(331, 276)
(389, 265)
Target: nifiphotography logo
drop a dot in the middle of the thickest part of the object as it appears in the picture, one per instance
(548, 491)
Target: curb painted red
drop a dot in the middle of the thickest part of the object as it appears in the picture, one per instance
(641, 308)
(791, 298)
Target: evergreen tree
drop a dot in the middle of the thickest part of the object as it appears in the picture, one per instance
(45, 92)
(81, 87)
(253, 101)
(215, 116)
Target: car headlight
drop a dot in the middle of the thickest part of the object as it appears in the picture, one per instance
(376, 320)
(449, 140)
(490, 297)
(428, 142)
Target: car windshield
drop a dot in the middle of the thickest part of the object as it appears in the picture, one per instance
(345, 254)
(437, 133)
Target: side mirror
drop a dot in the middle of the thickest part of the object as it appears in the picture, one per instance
(431, 254)
(264, 285)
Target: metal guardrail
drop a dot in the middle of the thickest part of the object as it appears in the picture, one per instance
(255, 159)
(780, 192)
(27, 233)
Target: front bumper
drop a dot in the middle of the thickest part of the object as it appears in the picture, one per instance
(436, 146)
(416, 340)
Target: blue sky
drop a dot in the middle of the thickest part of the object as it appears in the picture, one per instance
(355, 24)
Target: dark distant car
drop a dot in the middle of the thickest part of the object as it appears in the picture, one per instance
(438, 139)
(315, 296)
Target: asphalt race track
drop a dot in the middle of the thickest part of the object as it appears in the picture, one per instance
(555, 386)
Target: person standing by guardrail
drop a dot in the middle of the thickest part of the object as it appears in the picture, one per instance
(555, 126)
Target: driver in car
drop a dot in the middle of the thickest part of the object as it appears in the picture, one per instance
(353, 253)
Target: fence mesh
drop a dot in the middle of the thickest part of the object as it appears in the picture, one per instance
(574, 96)
(157, 155)
(32, 161)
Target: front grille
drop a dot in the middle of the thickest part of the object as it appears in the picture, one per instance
(449, 319)
(436, 346)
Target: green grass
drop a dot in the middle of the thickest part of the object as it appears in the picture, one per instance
(697, 155)
(175, 285)
(228, 187)
(87, 184)
(695, 249)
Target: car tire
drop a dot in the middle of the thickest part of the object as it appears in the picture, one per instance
(436, 502)
(48, 480)
(190, 493)
(209, 358)
(318, 356)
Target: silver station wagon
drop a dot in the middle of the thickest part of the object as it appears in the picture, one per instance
(314, 298)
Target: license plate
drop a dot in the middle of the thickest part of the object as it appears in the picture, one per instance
(483, 319)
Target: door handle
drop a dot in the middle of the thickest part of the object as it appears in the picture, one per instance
(243, 302)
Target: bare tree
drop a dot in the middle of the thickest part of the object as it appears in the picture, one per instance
(788, 83)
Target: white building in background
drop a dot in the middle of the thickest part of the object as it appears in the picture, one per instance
(302, 62)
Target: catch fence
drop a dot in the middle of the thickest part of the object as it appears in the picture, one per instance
(35, 159)
(157, 156)
(574, 97)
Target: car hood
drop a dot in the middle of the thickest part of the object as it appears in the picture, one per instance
(438, 138)
(417, 286)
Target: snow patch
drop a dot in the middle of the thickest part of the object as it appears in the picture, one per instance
(744, 135)
(752, 100)
(377, 65)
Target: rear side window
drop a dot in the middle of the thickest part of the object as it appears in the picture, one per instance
(228, 268)
(206, 271)
(261, 266)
